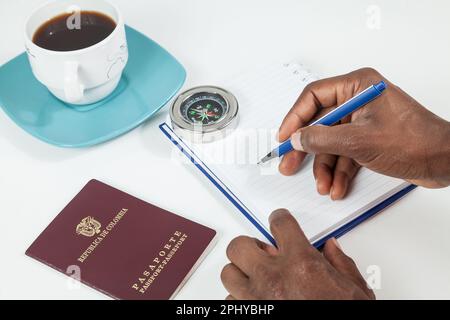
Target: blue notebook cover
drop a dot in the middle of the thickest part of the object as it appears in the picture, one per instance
(167, 130)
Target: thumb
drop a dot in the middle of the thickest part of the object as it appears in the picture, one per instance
(345, 265)
(342, 140)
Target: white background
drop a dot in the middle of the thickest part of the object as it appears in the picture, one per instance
(410, 241)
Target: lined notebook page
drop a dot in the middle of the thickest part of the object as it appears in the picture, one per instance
(264, 99)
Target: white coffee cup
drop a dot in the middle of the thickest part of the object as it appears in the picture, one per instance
(81, 76)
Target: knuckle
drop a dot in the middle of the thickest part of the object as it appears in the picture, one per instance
(307, 139)
(354, 142)
(368, 71)
(310, 266)
(310, 86)
(350, 262)
(361, 77)
(362, 143)
(315, 139)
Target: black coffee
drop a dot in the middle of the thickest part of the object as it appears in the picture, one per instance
(64, 33)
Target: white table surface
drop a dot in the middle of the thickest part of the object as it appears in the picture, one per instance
(410, 241)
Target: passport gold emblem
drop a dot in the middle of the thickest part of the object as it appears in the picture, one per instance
(88, 227)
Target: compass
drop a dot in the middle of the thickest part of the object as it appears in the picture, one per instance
(204, 113)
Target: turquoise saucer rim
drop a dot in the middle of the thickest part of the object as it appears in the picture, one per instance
(113, 134)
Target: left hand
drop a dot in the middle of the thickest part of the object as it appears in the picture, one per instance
(294, 270)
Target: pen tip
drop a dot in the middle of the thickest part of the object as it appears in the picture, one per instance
(266, 158)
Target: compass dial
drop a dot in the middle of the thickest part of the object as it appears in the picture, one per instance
(204, 114)
(204, 108)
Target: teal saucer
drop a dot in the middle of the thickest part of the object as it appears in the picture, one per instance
(151, 78)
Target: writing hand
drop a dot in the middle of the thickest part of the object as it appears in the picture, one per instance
(393, 135)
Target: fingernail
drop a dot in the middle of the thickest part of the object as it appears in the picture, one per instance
(296, 140)
(336, 243)
(277, 136)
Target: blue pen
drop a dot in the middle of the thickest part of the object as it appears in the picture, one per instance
(334, 116)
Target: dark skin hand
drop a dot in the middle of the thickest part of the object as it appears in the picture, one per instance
(393, 135)
(295, 270)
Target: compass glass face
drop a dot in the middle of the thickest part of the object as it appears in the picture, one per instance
(204, 108)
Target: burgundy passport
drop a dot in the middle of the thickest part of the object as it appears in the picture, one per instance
(122, 246)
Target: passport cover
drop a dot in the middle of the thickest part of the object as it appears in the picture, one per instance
(121, 245)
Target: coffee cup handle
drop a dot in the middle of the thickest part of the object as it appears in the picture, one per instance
(73, 88)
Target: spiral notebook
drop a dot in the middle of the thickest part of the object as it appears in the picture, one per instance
(265, 96)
